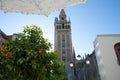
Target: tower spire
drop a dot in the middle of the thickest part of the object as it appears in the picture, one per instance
(62, 12)
(62, 15)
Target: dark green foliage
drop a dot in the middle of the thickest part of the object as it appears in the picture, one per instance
(28, 57)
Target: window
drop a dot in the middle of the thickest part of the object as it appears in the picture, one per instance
(62, 26)
(57, 27)
(63, 52)
(68, 26)
(65, 27)
(62, 18)
(64, 58)
(117, 51)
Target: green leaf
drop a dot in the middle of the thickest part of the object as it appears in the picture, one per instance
(1, 76)
(20, 61)
(9, 67)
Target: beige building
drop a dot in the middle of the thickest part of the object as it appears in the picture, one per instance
(107, 50)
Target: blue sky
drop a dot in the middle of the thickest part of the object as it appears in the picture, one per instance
(87, 20)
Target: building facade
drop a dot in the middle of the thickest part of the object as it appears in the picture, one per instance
(107, 50)
(63, 41)
(3, 37)
(87, 68)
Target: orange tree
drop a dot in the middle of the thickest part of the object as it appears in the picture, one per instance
(28, 57)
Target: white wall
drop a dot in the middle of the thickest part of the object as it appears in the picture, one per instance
(106, 57)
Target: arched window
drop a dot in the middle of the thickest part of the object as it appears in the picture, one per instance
(62, 26)
(68, 26)
(57, 26)
(62, 18)
(117, 51)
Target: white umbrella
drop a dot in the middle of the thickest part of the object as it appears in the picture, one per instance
(40, 7)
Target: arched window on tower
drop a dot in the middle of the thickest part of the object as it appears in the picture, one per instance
(57, 26)
(65, 26)
(117, 51)
(62, 26)
(63, 58)
(62, 18)
(68, 26)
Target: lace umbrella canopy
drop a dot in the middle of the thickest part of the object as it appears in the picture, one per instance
(40, 7)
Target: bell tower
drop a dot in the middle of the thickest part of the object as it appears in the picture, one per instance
(63, 40)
